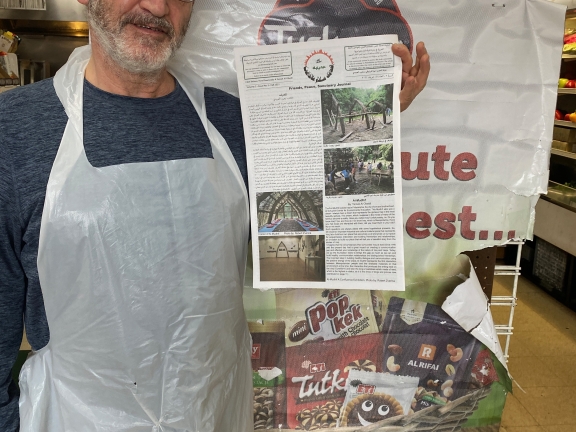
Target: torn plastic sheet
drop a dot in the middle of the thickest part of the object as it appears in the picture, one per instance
(410, 338)
(463, 297)
(494, 209)
(490, 93)
(468, 306)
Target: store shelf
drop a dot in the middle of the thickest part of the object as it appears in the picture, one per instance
(567, 91)
(503, 301)
(507, 330)
(563, 153)
(506, 270)
(563, 123)
(569, 57)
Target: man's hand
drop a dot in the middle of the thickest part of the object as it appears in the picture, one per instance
(414, 76)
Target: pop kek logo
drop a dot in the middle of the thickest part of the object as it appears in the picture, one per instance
(338, 312)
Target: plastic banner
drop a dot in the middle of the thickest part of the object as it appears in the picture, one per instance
(475, 142)
(475, 152)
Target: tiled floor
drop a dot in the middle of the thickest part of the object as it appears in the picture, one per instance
(542, 361)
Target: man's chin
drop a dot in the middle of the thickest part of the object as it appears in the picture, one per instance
(143, 67)
(144, 60)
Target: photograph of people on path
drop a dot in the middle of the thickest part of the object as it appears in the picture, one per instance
(359, 170)
(292, 211)
(354, 115)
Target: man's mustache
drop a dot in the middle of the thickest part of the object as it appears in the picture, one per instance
(145, 20)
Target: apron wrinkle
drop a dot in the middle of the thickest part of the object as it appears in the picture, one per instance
(209, 314)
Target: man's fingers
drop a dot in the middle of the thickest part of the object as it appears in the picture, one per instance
(424, 71)
(401, 51)
(423, 62)
(414, 75)
(421, 49)
(408, 93)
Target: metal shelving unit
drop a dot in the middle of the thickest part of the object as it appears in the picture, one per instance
(563, 153)
(564, 123)
(508, 301)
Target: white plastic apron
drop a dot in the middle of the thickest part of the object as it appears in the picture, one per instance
(141, 267)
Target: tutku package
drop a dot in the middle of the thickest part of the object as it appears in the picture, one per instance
(316, 377)
(372, 397)
(422, 341)
(317, 315)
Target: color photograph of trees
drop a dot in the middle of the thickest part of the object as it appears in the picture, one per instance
(354, 115)
(362, 170)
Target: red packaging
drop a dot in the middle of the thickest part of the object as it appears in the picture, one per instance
(316, 377)
(483, 372)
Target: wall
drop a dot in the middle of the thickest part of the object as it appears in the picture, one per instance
(266, 244)
(308, 249)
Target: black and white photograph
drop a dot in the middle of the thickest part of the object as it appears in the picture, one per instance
(292, 211)
(292, 258)
(362, 170)
(354, 115)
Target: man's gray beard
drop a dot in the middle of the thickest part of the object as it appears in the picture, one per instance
(133, 59)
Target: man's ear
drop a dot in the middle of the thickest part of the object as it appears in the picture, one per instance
(84, 2)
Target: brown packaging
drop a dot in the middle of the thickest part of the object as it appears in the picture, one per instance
(269, 374)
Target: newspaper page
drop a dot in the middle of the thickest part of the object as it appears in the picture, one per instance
(322, 127)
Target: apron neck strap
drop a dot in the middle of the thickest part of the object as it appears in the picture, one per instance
(69, 85)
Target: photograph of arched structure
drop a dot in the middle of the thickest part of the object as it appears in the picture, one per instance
(361, 170)
(353, 114)
(292, 211)
(292, 258)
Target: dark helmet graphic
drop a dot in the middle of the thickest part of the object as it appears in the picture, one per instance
(302, 20)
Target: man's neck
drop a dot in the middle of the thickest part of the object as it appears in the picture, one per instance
(104, 74)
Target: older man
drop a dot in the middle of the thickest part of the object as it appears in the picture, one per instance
(125, 204)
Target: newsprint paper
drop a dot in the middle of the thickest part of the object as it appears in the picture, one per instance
(322, 127)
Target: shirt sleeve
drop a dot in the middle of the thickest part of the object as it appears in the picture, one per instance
(12, 293)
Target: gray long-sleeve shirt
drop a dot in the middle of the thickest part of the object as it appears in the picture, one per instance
(117, 130)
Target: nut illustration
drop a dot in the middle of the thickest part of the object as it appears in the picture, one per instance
(392, 367)
(395, 349)
(450, 370)
(456, 355)
(447, 384)
(263, 408)
(448, 392)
